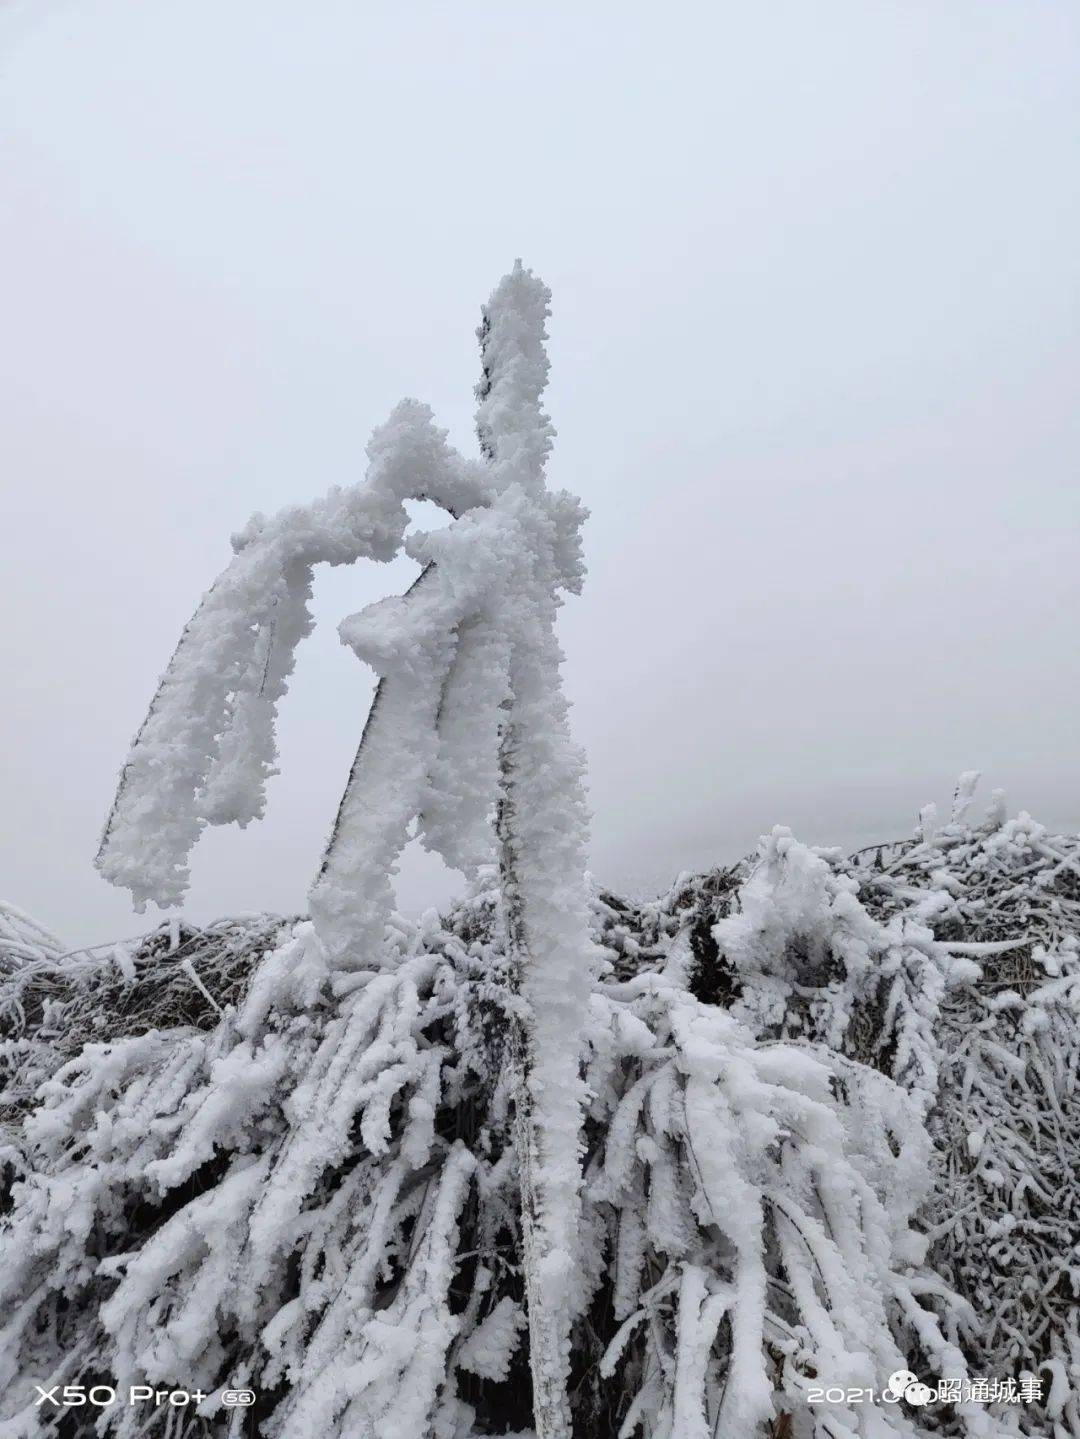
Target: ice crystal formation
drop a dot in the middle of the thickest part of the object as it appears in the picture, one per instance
(552, 1163)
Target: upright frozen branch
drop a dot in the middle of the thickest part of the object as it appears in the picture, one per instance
(543, 828)
(470, 720)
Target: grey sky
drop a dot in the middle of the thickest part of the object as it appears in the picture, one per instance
(816, 276)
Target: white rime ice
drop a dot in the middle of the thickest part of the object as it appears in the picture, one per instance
(264, 1169)
(469, 720)
(543, 1166)
(206, 747)
(468, 725)
(23, 938)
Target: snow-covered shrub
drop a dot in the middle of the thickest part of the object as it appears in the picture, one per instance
(51, 1003)
(23, 938)
(225, 1168)
(316, 1190)
(549, 1164)
(1006, 1214)
(317, 1194)
(950, 963)
(758, 1200)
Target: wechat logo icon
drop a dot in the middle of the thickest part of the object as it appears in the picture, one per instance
(906, 1385)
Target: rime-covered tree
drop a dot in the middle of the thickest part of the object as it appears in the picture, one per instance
(389, 1172)
(468, 722)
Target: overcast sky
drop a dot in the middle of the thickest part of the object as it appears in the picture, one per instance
(815, 370)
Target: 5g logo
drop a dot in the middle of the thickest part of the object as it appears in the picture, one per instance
(237, 1398)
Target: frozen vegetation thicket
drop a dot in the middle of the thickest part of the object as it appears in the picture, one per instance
(830, 1133)
(551, 1164)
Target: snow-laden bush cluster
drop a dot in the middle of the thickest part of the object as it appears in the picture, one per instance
(950, 962)
(316, 1192)
(1006, 1213)
(549, 1165)
(319, 1197)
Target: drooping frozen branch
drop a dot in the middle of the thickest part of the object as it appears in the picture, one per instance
(206, 747)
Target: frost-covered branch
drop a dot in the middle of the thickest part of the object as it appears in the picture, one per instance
(206, 747)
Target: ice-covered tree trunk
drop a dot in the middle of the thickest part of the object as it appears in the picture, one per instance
(542, 831)
(470, 718)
